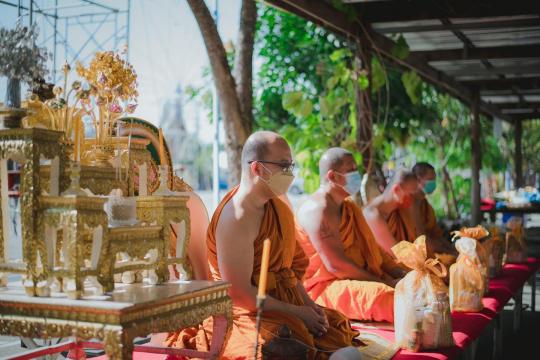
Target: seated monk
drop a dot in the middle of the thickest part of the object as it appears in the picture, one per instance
(348, 271)
(249, 214)
(424, 215)
(389, 215)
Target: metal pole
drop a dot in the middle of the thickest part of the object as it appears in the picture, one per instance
(19, 8)
(518, 157)
(66, 39)
(476, 162)
(55, 40)
(128, 27)
(215, 118)
(31, 13)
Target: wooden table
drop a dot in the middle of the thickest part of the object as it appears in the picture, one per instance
(519, 211)
(116, 319)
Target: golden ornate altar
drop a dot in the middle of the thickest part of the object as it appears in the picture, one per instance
(74, 216)
(167, 210)
(131, 311)
(60, 243)
(141, 248)
(28, 147)
(99, 180)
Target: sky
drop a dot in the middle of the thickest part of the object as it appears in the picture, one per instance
(166, 48)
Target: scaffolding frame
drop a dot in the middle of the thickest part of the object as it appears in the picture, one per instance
(101, 26)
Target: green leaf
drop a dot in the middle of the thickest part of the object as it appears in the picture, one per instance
(291, 100)
(401, 49)
(305, 109)
(378, 78)
(332, 82)
(340, 54)
(363, 81)
(323, 106)
(413, 85)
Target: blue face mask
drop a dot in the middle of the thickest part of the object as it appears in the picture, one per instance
(430, 186)
(353, 182)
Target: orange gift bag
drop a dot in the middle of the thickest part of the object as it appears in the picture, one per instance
(495, 248)
(466, 280)
(516, 249)
(421, 307)
(477, 233)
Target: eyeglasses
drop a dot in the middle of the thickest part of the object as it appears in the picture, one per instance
(285, 167)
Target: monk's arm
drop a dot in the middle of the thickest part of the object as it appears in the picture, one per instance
(380, 229)
(233, 265)
(323, 230)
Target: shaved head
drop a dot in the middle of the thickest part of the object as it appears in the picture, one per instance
(259, 146)
(422, 169)
(333, 159)
(402, 178)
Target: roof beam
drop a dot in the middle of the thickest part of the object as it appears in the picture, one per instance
(470, 25)
(517, 105)
(527, 116)
(531, 70)
(412, 10)
(326, 15)
(503, 52)
(524, 83)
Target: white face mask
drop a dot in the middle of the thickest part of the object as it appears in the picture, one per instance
(353, 182)
(278, 182)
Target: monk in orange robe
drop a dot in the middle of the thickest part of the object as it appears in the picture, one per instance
(424, 214)
(248, 215)
(389, 215)
(348, 271)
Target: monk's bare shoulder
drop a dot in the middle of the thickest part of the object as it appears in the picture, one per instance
(371, 213)
(317, 212)
(233, 217)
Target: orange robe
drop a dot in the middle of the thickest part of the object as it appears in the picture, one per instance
(402, 225)
(286, 266)
(433, 230)
(360, 300)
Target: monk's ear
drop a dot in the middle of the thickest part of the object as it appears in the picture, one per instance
(254, 168)
(331, 176)
(396, 190)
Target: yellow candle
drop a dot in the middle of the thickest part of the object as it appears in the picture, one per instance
(161, 147)
(76, 140)
(264, 268)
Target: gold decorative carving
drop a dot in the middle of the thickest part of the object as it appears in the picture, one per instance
(27, 146)
(99, 180)
(165, 210)
(77, 216)
(135, 241)
(178, 306)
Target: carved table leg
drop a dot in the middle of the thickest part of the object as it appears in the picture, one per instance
(106, 273)
(29, 192)
(118, 344)
(74, 283)
(162, 269)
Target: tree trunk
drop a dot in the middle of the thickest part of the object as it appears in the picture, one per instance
(364, 126)
(243, 61)
(448, 187)
(452, 190)
(476, 162)
(446, 194)
(234, 120)
(518, 158)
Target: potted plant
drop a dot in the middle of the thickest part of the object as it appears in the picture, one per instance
(21, 60)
